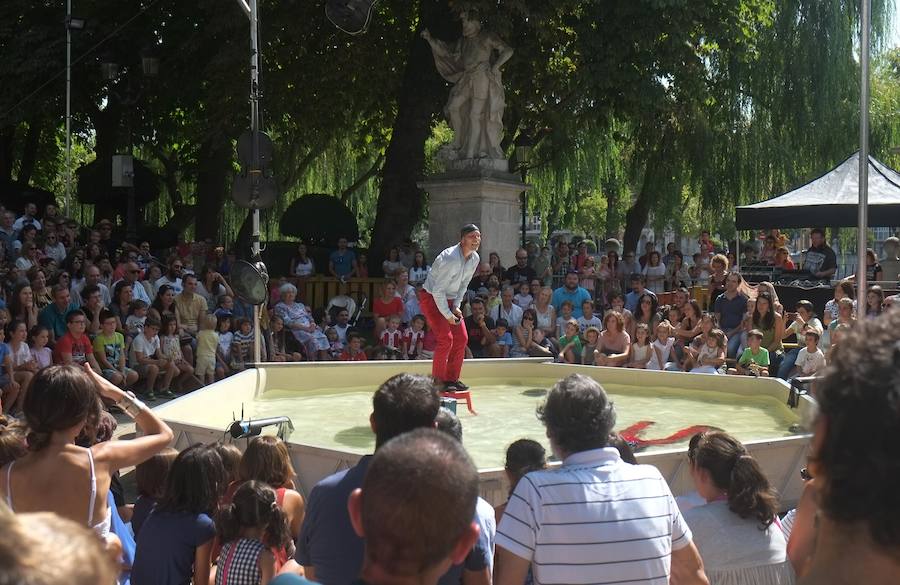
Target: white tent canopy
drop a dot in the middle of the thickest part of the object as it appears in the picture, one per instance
(830, 200)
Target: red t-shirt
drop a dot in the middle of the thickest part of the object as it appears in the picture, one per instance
(79, 348)
(359, 357)
(382, 309)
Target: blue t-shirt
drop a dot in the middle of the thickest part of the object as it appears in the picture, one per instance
(327, 540)
(166, 547)
(4, 375)
(730, 311)
(578, 296)
(482, 554)
(343, 263)
(505, 339)
(52, 319)
(632, 299)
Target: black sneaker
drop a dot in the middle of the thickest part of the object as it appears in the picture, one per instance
(456, 386)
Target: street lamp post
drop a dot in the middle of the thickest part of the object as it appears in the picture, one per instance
(72, 23)
(523, 152)
(863, 204)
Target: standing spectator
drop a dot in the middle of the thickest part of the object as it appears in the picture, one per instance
(328, 548)
(874, 301)
(854, 531)
(649, 248)
(638, 289)
(419, 270)
(172, 277)
(407, 537)
(783, 259)
(175, 542)
(543, 267)
(496, 267)
(735, 530)
(507, 309)
(8, 234)
(109, 350)
(520, 272)
(820, 258)
(729, 308)
(92, 275)
(719, 267)
(670, 253)
(109, 244)
(677, 275)
(570, 291)
(655, 273)
(561, 261)
(567, 523)
(626, 267)
(342, 262)
(75, 348)
(302, 266)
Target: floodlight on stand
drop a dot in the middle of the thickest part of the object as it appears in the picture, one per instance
(250, 281)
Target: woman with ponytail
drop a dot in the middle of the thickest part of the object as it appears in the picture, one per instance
(247, 528)
(736, 531)
(55, 474)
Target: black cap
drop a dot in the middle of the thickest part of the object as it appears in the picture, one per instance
(468, 229)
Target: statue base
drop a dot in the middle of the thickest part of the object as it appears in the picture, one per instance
(489, 198)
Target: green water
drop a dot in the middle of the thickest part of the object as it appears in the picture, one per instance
(338, 418)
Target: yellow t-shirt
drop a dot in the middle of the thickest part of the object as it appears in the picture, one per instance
(207, 342)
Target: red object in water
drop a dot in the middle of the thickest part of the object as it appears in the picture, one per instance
(630, 435)
(465, 395)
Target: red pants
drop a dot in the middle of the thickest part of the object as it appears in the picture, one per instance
(451, 340)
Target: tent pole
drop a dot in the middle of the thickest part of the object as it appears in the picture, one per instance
(863, 220)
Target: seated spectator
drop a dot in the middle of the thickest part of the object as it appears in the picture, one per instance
(708, 355)
(677, 275)
(729, 308)
(641, 349)
(662, 356)
(299, 321)
(92, 276)
(407, 294)
(783, 260)
(164, 303)
(735, 531)
(354, 350)
(148, 361)
(874, 301)
(755, 359)
(9, 387)
(480, 329)
(810, 360)
(175, 541)
(62, 400)
(22, 306)
(170, 347)
(53, 316)
(110, 352)
(507, 309)
(581, 505)
(285, 347)
(386, 305)
(37, 278)
(524, 299)
(211, 286)
(75, 348)
(805, 318)
(546, 313)
(91, 306)
(522, 456)
(655, 273)
(614, 346)
(172, 277)
(588, 319)
(328, 548)
(570, 291)
(570, 347)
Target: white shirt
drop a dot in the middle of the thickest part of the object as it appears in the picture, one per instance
(513, 316)
(104, 294)
(735, 550)
(175, 284)
(57, 252)
(618, 522)
(24, 220)
(584, 323)
(449, 277)
(148, 347)
(664, 350)
(810, 363)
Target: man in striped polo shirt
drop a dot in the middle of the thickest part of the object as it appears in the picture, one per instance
(595, 519)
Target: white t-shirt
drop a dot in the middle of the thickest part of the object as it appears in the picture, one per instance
(148, 347)
(810, 364)
(813, 323)
(175, 284)
(523, 301)
(20, 356)
(584, 323)
(664, 350)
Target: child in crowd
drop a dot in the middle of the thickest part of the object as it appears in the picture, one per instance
(524, 298)
(176, 539)
(503, 336)
(707, 324)
(253, 518)
(588, 276)
(39, 338)
(541, 346)
(429, 344)
(285, 347)
(588, 318)
(170, 346)
(565, 315)
(810, 360)
(754, 361)
(661, 354)
(570, 343)
(9, 388)
(231, 460)
(134, 323)
(493, 299)
(225, 306)
(150, 477)
(640, 349)
(223, 352)
(149, 362)
(591, 336)
(109, 349)
(242, 344)
(391, 338)
(335, 347)
(711, 355)
(23, 365)
(523, 456)
(413, 338)
(207, 343)
(354, 351)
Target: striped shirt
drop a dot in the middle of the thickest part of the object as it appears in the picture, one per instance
(596, 519)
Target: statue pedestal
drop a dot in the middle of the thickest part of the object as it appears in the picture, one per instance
(491, 199)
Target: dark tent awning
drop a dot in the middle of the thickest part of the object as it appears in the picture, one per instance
(830, 200)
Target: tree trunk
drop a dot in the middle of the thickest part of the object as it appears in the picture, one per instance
(421, 97)
(636, 218)
(7, 153)
(214, 165)
(612, 204)
(29, 153)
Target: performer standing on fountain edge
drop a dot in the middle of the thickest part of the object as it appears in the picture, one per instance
(439, 300)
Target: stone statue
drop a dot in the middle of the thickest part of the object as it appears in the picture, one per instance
(475, 107)
(890, 264)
